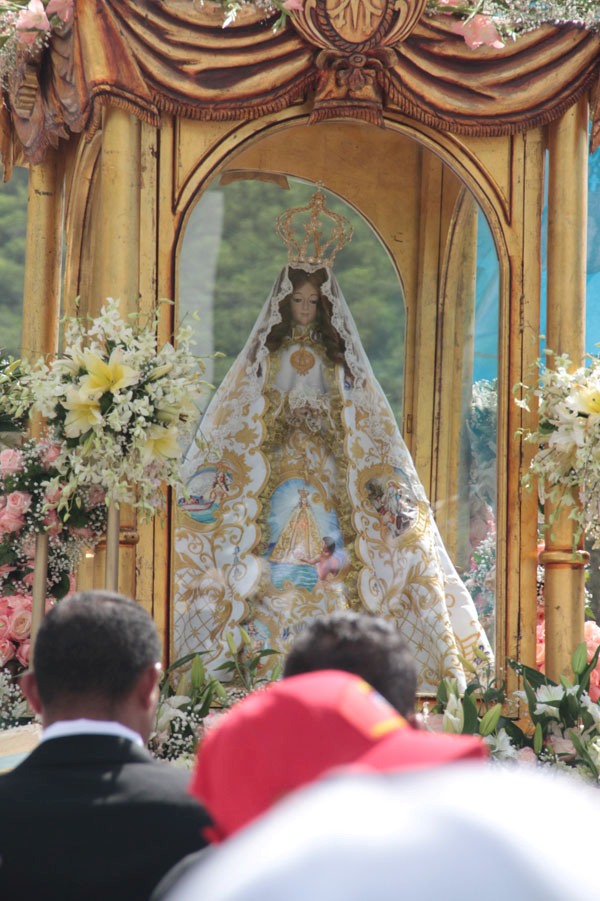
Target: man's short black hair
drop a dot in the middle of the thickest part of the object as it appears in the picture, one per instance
(358, 643)
(93, 644)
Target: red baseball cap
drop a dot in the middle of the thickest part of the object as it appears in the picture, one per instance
(292, 732)
(413, 749)
(285, 736)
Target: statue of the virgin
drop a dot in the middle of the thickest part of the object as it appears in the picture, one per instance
(302, 496)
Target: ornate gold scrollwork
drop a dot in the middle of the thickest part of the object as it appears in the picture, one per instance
(356, 38)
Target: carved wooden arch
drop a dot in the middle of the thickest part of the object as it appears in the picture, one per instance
(83, 184)
(498, 203)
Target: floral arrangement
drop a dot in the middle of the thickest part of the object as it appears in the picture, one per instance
(15, 400)
(480, 581)
(567, 437)
(565, 717)
(26, 27)
(14, 709)
(30, 495)
(191, 699)
(119, 407)
(591, 635)
(479, 22)
(482, 422)
(491, 22)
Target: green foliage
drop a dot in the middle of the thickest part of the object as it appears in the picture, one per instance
(13, 227)
(565, 721)
(245, 664)
(190, 695)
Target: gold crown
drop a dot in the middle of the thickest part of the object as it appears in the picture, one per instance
(307, 234)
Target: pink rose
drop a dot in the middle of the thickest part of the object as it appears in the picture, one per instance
(11, 462)
(20, 625)
(33, 18)
(562, 747)
(12, 516)
(53, 497)
(23, 652)
(526, 755)
(10, 521)
(477, 31)
(27, 38)
(18, 502)
(61, 8)
(19, 601)
(52, 523)
(5, 618)
(591, 634)
(7, 651)
(50, 455)
(594, 691)
(28, 579)
(4, 607)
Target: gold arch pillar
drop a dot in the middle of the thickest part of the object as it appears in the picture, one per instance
(41, 290)
(116, 274)
(41, 306)
(567, 217)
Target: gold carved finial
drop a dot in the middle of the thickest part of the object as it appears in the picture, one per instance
(313, 233)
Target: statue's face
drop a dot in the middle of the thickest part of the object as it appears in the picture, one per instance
(304, 304)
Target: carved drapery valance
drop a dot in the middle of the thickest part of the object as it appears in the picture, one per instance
(357, 60)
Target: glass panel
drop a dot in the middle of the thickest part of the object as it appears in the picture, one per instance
(302, 496)
(231, 255)
(592, 342)
(479, 437)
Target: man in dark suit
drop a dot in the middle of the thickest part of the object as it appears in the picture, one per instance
(89, 814)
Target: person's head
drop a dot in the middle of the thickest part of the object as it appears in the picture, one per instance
(328, 545)
(358, 643)
(307, 305)
(304, 303)
(283, 737)
(97, 655)
(292, 732)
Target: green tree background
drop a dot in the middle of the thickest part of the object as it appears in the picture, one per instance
(13, 225)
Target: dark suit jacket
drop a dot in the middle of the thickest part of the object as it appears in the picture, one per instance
(93, 817)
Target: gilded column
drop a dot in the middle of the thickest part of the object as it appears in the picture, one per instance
(565, 333)
(41, 289)
(116, 268)
(116, 274)
(41, 307)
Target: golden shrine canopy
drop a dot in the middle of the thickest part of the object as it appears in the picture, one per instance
(172, 56)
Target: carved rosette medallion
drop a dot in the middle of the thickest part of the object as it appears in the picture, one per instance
(356, 40)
